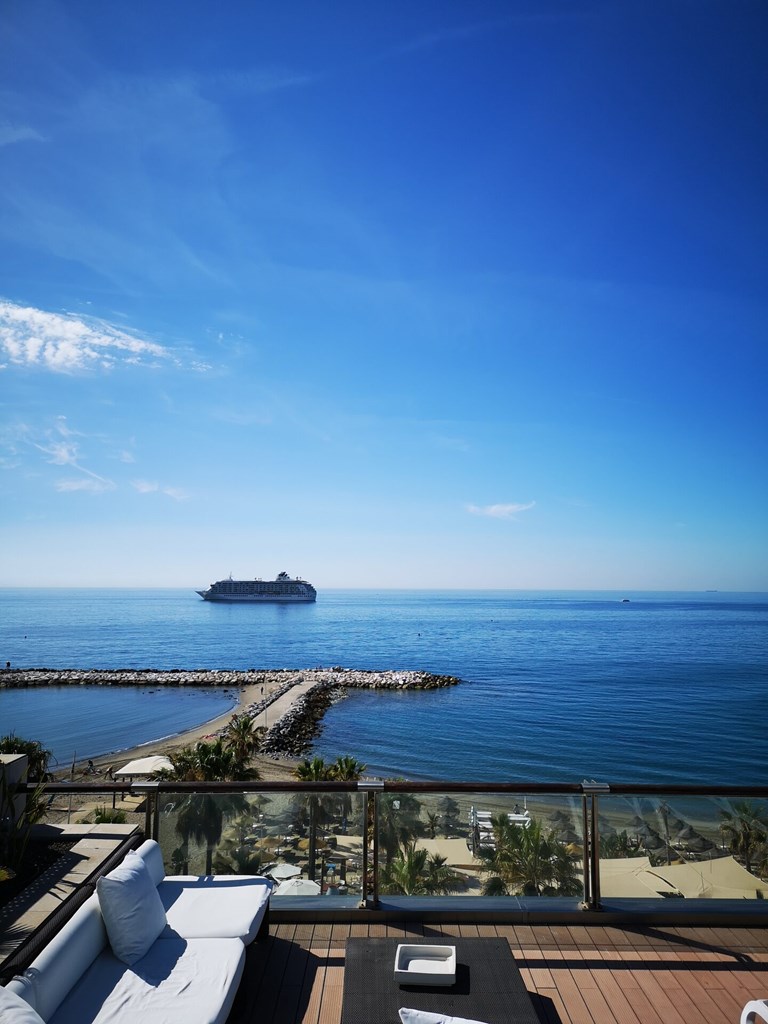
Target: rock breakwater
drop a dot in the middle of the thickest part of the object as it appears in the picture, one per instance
(292, 734)
(345, 677)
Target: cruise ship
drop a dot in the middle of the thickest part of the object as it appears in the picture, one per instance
(283, 588)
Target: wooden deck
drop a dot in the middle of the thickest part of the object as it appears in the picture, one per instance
(576, 974)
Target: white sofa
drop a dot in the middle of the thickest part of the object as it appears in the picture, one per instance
(126, 955)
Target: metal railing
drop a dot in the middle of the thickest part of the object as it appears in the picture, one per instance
(516, 847)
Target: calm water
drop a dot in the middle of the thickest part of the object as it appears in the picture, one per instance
(559, 686)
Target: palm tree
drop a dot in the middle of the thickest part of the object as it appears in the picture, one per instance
(208, 761)
(450, 809)
(745, 829)
(403, 874)
(236, 854)
(414, 872)
(315, 770)
(618, 845)
(343, 769)
(398, 822)
(201, 816)
(433, 824)
(244, 737)
(441, 878)
(526, 861)
(347, 769)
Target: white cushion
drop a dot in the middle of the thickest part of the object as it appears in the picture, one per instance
(178, 981)
(152, 855)
(132, 911)
(64, 960)
(15, 1010)
(422, 1017)
(215, 906)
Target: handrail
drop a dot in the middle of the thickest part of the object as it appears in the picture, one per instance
(587, 793)
(400, 786)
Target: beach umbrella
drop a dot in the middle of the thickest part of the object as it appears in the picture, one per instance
(700, 845)
(283, 871)
(297, 887)
(569, 836)
(559, 817)
(689, 833)
(653, 842)
(447, 803)
(645, 830)
(675, 824)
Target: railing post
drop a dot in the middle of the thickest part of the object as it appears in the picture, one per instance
(371, 900)
(590, 791)
(152, 810)
(587, 859)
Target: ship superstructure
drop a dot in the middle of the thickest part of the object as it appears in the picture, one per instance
(284, 588)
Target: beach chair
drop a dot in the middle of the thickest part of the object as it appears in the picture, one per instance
(755, 1011)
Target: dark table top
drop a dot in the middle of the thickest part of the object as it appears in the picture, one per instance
(488, 984)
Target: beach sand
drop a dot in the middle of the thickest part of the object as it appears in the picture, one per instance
(269, 768)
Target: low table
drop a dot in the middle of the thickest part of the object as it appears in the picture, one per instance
(488, 984)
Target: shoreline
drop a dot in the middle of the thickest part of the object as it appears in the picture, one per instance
(270, 769)
(288, 704)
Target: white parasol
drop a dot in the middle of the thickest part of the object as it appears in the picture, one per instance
(297, 887)
(282, 871)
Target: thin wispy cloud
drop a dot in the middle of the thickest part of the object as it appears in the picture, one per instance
(67, 453)
(90, 485)
(443, 36)
(262, 81)
(60, 445)
(449, 35)
(67, 343)
(151, 487)
(454, 444)
(11, 133)
(501, 511)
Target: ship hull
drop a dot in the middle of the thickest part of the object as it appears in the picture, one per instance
(256, 598)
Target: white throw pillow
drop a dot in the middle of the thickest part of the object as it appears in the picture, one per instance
(132, 909)
(422, 1017)
(15, 1010)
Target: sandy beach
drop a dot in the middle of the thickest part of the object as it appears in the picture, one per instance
(270, 769)
(287, 704)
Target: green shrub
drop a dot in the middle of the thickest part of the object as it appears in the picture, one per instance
(104, 815)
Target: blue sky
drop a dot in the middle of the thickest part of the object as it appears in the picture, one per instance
(426, 294)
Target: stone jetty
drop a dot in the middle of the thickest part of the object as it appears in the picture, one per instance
(292, 734)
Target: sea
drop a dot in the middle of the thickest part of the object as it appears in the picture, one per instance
(557, 686)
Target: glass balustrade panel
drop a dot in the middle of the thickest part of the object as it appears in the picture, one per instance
(308, 843)
(480, 844)
(683, 847)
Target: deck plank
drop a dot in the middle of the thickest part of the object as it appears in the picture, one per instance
(576, 974)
